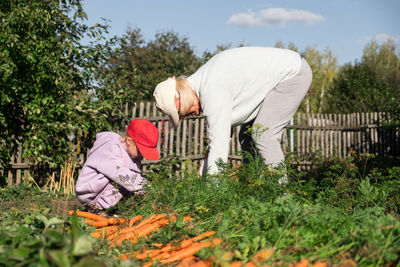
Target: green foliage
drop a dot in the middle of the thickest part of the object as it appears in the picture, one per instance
(45, 76)
(134, 67)
(324, 67)
(37, 238)
(369, 85)
(341, 207)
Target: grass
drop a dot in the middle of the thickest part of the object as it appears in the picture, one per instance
(341, 209)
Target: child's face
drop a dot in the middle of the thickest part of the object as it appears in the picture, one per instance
(133, 151)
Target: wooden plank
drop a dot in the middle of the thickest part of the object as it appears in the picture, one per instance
(321, 142)
(340, 136)
(19, 160)
(165, 137)
(238, 146)
(359, 143)
(172, 138)
(141, 109)
(298, 137)
(196, 136)
(10, 172)
(375, 140)
(330, 119)
(134, 110)
(348, 135)
(362, 134)
(190, 137)
(367, 134)
(202, 135)
(381, 135)
(184, 137)
(148, 109)
(155, 110)
(304, 136)
(160, 129)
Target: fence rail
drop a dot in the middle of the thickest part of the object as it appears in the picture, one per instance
(328, 134)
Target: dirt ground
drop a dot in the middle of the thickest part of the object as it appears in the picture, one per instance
(59, 207)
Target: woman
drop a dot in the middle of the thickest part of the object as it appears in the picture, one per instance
(240, 86)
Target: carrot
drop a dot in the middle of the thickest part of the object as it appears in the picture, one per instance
(202, 263)
(97, 234)
(189, 251)
(250, 264)
(187, 218)
(115, 221)
(87, 215)
(302, 263)
(134, 220)
(262, 255)
(163, 255)
(203, 236)
(150, 253)
(236, 264)
(121, 232)
(100, 223)
(187, 262)
(151, 219)
(143, 231)
(108, 229)
(319, 264)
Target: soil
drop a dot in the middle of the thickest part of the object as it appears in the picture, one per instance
(59, 207)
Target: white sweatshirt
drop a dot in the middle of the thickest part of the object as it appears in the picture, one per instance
(231, 87)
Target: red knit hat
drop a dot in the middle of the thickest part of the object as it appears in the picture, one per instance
(145, 135)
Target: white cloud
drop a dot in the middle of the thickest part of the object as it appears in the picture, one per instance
(274, 17)
(383, 37)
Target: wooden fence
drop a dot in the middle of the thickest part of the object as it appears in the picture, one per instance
(327, 134)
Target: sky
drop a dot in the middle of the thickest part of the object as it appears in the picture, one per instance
(343, 26)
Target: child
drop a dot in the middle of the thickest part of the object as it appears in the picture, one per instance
(113, 169)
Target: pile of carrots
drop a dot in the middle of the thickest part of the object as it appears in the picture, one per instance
(179, 253)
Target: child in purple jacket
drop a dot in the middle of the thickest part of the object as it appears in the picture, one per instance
(113, 168)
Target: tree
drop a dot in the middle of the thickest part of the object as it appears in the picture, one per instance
(371, 85)
(324, 67)
(45, 77)
(134, 67)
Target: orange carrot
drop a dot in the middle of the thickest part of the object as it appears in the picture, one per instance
(189, 251)
(87, 215)
(202, 263)
(262, 255)
(236, 264)
(134, 220)
(187, 218)
(148, 264)
(203, 236)
(100, 223)
(151, 219)
(250, 264)
(97, 234)
(302, 263)
(143, 231)
(108, 229)
(115, 221)
(161, 256)
(187, 262)
(319, 264)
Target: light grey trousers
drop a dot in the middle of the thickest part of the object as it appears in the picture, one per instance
(276, 111)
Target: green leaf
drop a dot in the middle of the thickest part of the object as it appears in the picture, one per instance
(89, 261)
(20, 253)
(59, 258)
(83, 245)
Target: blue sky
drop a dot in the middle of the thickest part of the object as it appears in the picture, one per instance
(343, 26)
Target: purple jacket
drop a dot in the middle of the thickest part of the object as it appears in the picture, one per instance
(108, 173)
